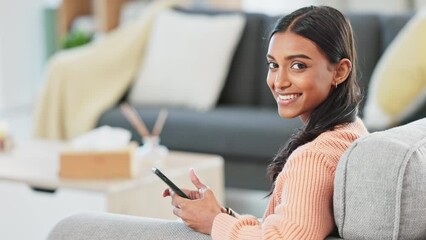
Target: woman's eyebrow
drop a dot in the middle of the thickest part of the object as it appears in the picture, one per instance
(297, 56)
(290, 56)
(270, 56)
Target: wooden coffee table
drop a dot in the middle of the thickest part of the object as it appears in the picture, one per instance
(34, 198)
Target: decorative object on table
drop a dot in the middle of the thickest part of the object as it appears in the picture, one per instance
(151, 152)
(5, 137)
(103, 153)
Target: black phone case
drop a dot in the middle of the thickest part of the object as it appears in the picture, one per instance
(175, 188)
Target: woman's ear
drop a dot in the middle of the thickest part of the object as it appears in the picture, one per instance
(343, 68)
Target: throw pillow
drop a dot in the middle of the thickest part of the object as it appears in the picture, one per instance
(398, 84)
(187, 60)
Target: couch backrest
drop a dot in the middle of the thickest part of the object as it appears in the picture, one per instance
(380, 185)
(246, 82)
(247, 69)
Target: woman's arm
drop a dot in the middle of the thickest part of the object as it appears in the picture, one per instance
(303, 209)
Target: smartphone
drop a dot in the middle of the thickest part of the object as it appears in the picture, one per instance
(175, 188)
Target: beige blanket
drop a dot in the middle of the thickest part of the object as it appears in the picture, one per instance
(82, 83)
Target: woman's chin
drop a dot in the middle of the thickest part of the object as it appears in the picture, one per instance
(286, 114)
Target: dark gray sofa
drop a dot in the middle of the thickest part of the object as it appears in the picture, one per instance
(244, 127)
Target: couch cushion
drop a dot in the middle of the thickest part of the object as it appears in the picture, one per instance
(238, 131)
(398, 85)
(188, 58)
(380, 185)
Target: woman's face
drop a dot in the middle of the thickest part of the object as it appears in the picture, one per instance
(300, 76)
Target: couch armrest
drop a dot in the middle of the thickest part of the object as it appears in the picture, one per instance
(379, 188)
(105, 226)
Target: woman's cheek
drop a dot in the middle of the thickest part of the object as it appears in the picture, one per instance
(270, 80)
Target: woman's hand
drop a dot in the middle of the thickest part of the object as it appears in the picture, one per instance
(199, 212)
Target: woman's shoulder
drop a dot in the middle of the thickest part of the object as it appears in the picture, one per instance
(341, 136)
(331, 145)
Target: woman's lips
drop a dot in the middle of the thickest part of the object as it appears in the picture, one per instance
(286, 99)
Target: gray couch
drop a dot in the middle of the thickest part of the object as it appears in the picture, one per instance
(379, 193)
(244, 127)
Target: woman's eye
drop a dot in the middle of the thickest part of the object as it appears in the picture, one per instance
(298, 66)
(272, 65)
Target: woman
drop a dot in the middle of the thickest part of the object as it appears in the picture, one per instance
(312, 75)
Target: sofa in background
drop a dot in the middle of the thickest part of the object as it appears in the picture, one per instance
(379, 193)
(244, 127)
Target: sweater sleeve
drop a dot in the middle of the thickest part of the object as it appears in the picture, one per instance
(305, 211)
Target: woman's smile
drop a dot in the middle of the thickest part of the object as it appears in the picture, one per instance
(287, 99)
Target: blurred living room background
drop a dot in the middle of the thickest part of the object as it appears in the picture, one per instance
(30, 35)
(32, 31)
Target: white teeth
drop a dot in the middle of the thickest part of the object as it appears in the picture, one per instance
(288, 96)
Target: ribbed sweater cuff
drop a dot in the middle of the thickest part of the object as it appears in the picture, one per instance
(223, 225)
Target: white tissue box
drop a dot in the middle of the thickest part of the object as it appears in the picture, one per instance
(98, 164)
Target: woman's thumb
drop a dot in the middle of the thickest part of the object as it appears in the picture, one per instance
(195, 180)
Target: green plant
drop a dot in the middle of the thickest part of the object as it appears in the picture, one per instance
(76, 38)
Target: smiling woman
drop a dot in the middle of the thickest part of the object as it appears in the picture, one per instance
(300, 76)
(312, 66)
(315, 47)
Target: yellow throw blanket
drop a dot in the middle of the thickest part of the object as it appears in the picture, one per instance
(82, 83)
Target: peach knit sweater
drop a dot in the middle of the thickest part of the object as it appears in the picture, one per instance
(301, 204)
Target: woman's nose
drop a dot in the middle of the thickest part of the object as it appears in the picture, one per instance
(281, 81)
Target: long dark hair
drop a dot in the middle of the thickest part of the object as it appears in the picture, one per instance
(332, 33)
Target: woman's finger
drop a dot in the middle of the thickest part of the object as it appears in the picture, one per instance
(191, 194)
(177, 201)
(195, 180)
(177, 211)
(194, 195)
(186, 191)
(166, 193)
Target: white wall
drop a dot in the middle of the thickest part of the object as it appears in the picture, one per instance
(385, 6)
(21, 51)
(420, 3)
(1, 74)
(276, 7)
